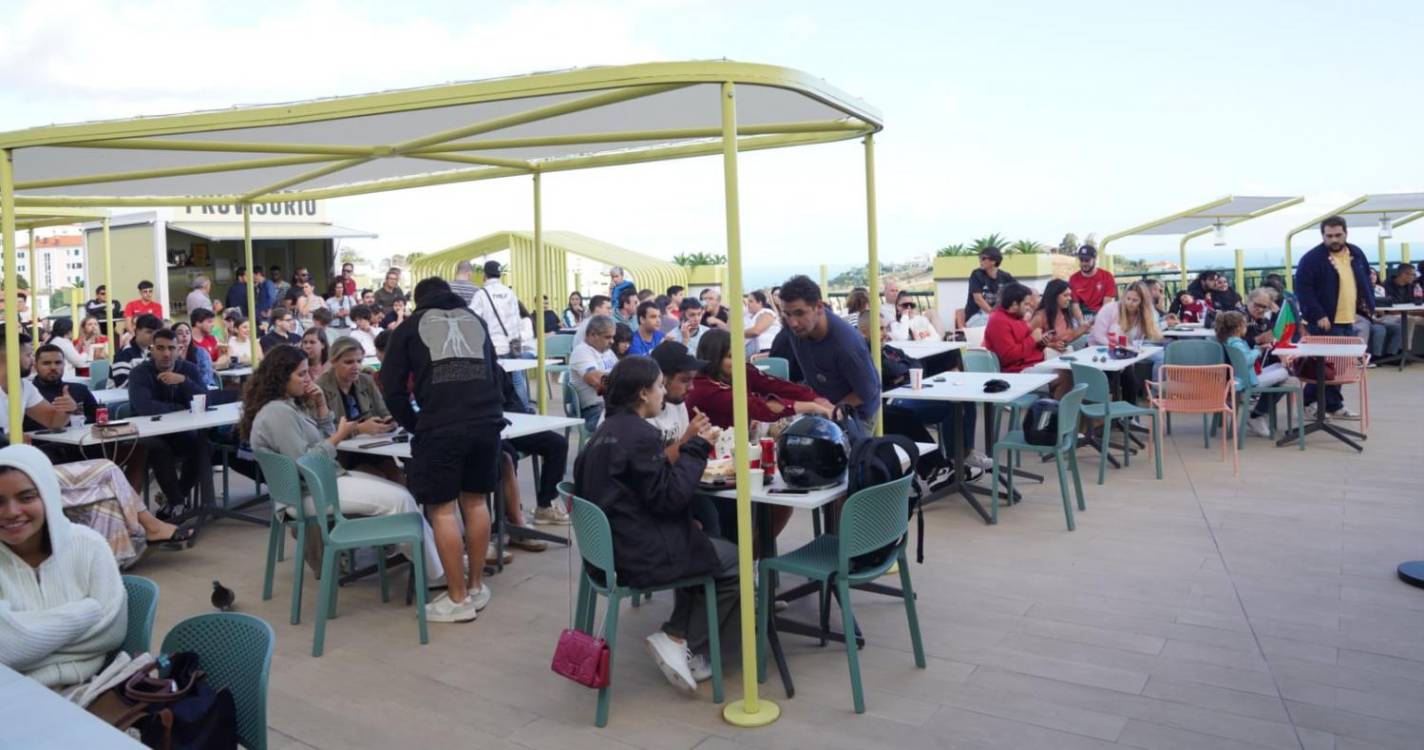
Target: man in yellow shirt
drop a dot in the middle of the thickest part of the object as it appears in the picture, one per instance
(1332, 287)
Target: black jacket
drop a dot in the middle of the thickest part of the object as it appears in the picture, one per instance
(274, 338)
(442, 353)
(77, 391)
(648, 501)
(148, 395)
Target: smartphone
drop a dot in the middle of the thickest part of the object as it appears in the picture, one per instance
(378, 444)
(403, 438)
(786, 491)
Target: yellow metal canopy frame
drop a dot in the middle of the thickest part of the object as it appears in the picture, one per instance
(1194, 222)
(647, 271)
(1398, 208)
(30, 219)
(528, 125)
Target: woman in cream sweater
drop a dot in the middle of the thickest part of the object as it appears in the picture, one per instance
(62, 602)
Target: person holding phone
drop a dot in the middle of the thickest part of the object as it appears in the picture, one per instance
(355, 396)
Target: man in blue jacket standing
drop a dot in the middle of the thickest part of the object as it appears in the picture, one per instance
(1332, 286)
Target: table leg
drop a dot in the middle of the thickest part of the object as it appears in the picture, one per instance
(1342, 434)
(766, 539)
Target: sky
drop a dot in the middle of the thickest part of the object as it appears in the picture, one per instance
(1026, 118)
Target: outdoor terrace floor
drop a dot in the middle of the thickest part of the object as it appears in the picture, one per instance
(1201, 611)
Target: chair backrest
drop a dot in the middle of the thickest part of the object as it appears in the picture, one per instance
(143, 606)
(558, 345)
(121, 411)
(320, 475)
(1096, 380)
(1201, 389)
(973, 336)
(235, 650)
(594, 537)
(571, 399)
(776, 367)
(1194, 352)
(1068, 409)
(979, 360)
(284, 484)
(99, 374)
(874, 517)
(1239, 366)
(1347, 369)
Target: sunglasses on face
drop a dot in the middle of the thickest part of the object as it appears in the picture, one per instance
(907, 305)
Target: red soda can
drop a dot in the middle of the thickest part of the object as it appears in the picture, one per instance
(768, 458)
(101, 415)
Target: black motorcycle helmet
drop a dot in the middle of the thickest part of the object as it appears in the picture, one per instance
(812, 452)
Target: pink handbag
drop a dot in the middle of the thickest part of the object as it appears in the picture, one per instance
(582, 658)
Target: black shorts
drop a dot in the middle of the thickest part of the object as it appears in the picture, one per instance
(445, 463)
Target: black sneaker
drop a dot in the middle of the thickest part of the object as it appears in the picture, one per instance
(940, 477)
(972, 473)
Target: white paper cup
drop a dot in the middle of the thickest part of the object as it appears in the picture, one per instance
(200, 404)
(917, 376)
(76, 421)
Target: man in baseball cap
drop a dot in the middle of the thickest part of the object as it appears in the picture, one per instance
(1092, 286)
(678, 368)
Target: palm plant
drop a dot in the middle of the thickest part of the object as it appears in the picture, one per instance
(958, 248)
(699, 259)
(994, 240)
(1025, 247)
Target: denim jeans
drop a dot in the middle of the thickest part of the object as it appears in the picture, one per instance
(591, 417)
(1333, 400)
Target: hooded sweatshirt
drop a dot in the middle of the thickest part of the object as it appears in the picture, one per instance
(59, 621)
(443, 355)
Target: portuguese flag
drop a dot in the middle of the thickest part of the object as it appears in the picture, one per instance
(1285, 327)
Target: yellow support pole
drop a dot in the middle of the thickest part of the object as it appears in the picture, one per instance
(34, 292)
(1404, 252)
(1382, 259)
(750, 711)
(12, 287)
(109, 285)
(1240, 270)
(872, 239)
(1182, 250)
(825, 283)
(251, 278)
(539, 292)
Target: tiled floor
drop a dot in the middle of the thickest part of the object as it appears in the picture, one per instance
(1201, 611)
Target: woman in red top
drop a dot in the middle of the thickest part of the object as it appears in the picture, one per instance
(768, 399)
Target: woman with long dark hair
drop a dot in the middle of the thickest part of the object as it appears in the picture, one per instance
(74, 361)
(574, 313)
(649, 503)
(284, 411)
(196, 355)
(1056, 316)
(622, 340)
(768, 399)
(314, 345)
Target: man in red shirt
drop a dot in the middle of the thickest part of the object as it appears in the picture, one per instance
(1008, 336)
(144, 305)
(202, 320)
(1092, 286)
(348, 280)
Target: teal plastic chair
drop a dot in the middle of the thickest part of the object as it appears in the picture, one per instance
(870, 519)
(99, 374)
(1295, 399)
(235, 650)
(284, 486)
(983, 360)
(1194, 352)
(355, 533)
(1065, 451)
(558, 346)
(571, 407)
(1098, 404)
(595, 546)
(777, 367)
(143, 607)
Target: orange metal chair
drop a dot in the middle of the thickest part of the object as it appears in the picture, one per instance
(1199, 389)
(1348, 371)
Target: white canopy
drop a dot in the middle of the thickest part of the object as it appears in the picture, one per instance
(1225, 212)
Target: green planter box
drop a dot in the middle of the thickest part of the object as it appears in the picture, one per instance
(707, 275)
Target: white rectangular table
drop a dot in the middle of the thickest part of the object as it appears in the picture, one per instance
(109, 396)
(167, 424)
(968, 388)
(1189, 333)
(1406, 353)
(234, 372)
(1085, 356)
(772, 494)
(1321, 351)
(36, 718)
(926, 348)
(518, 365)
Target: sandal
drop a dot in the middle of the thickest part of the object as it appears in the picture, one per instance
(182, 538)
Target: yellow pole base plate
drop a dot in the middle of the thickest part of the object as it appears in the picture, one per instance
(735, 713)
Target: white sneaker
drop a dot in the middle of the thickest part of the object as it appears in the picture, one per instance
(979, 461)
(1258, 426)
(481, 598)
(701, 667)
(554, 515)
(672, 658)
(1310, 412)
(1343, 414)
(444, 609)
(492, 557)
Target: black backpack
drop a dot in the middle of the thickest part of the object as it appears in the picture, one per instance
(875, 460)
(1040, 422)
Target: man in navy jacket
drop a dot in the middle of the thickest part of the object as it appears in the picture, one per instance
(163, 384)
(1329, 301)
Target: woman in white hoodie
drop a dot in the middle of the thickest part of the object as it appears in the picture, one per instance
(62, 603)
